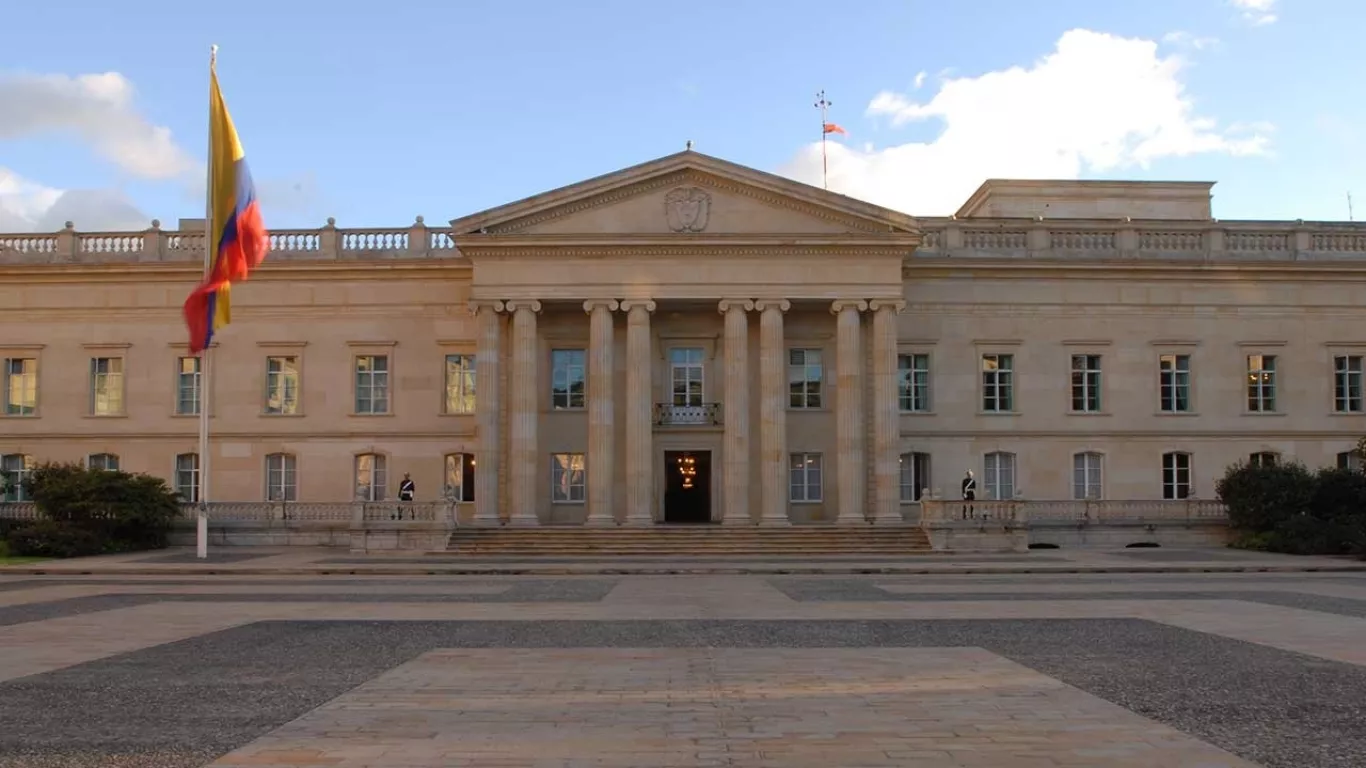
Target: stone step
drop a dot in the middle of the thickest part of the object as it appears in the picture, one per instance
(566, 541)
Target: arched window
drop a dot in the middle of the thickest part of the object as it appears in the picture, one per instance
(998, 477)
(1088, 475)
(372, 476)
(281, 480)
(1176, 475)
(15, 469)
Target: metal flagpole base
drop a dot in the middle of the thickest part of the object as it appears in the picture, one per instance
(202, 532)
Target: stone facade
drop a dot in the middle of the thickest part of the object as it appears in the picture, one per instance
(694, 333)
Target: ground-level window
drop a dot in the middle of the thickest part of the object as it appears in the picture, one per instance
(187, 476)
(104, 461)
(915, 476)
(459, 477)
(1086, 475)
(804, 477)
(372, 476)
(1263, 459)
(15, 469)
(1349, 460)
(998, 477)
(281, 479)
(568, 481)
(1176, 475)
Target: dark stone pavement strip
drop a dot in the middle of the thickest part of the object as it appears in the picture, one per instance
(454, 559)
(1201, 556)
(851, 590)
(578, 591)
(213, 557)
(187, 703)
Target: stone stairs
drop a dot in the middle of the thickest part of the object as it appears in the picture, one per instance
(692, 541)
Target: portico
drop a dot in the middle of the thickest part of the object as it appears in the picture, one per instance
(715, 310)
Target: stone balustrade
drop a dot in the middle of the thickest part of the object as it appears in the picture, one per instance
(1083, 512)
(1098, 239)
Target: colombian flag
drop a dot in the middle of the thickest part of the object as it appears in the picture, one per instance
(238, 240)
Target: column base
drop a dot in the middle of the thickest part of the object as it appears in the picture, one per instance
(601, 521)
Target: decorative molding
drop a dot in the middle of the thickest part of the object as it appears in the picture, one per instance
(610, 304)
(916, 342)
(286, 344)
(27, 347)
(1086, 342)
(1249, 344)
(687, 209)
(635, 248)
(896, 305)
(110, 345)
(1349, 344)
(469, 343)
(629, 304)
(1174, 343)
(782, 305)
(515, 304)
(744, 305)
(839, 305)
(997, 342)
(372, 343)
(477, 304)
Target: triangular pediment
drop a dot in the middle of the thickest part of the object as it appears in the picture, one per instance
(687, 194)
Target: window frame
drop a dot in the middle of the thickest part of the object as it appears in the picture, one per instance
(688, 398)
(1171, 487)
(7, 378)
(282, 377)
(800, 464)
(1173, 378)
(460, 384)
(378, 469)
(17, 493)
(1264, 459)
(575, 467)
(809, 393)
(193, 471)
(565, 363)
(910, 390)
(997, 380)
(1087, 383)
(288, 473)
(1081, 462)
(371, 381)
(1349, 459)
(103, 460)
(1266, 371)
(196, 380)
(465, 489)
(119, 380)
(917, 465)
(1342, 384)
(991, 477)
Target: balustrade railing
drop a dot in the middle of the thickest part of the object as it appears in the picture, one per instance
(991, 238)
(670, 415)
(1081, 512)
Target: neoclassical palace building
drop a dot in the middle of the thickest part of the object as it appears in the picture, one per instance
(693, 340)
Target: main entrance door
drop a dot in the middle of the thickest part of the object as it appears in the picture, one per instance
(687, 492)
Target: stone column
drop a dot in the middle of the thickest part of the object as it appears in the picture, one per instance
(526, 470)
(735, 477)
(886, 414)
(487, 361)
(640, 454)
(849, 416)
(772, 412)
(601, 425)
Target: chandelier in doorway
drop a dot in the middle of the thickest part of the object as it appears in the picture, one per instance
(687, 469)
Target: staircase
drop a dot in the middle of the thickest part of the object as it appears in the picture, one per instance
(692, 541)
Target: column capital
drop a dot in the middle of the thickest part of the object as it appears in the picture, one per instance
(629, 304)
(478, 304)
(515, 304)
(896, 305)
(609, 304)
(744, 305)
(839, 305)
(782, 305)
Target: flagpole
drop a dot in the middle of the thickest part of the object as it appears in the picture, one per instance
(822, 104)
(202, 524)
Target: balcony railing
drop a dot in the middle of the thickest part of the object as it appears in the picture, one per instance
(1067, 511)
(670, 415)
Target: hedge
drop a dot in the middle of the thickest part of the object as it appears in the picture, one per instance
(93, 511)
(1289, 508)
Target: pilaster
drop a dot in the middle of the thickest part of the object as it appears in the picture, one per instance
(849, 415)
(524, 444)
(887, 416)
(735, 448)
(487, 361)
(772, 412)
(640, 455)
(601, 425)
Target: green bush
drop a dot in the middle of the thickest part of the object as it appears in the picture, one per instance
(1289, 509)
(119, 511)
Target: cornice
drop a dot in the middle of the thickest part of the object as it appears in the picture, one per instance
(679, 246)
(168, 272)
(920, 268)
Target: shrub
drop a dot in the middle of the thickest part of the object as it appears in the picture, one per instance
(48, 538)
(1289, 509)
(119, 511)
(1259, 498)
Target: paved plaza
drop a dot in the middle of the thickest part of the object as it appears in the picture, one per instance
(990, 670)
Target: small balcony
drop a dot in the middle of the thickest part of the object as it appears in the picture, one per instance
(704, 415)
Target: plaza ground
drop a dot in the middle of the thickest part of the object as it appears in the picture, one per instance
(1131, 659)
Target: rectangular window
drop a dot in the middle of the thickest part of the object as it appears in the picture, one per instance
(1263, 459)
(1349, 460)
(999, 477)
(15, 470)
(107, 462)
(915, 476)
(187, 476)
(804, 478)
(281, 480)
(1174, 383)
(1261, 383)
(372, 476)
(913, 388)
(460, 383)
(106, 386)
(282, 386)
(1086, 476)
(459, 484)
(805, 375)
(21, 386)
(187, 386)
(685, 367)
(372, 384)
(567, 372)
(1347, 374)
(1176, 475)
(998, 385)
(1085, 383)
(567, 478)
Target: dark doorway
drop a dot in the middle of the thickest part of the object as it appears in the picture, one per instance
(687, 489)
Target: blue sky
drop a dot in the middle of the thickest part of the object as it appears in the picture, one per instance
(374, 113)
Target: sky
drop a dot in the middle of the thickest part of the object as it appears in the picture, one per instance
(374, 113)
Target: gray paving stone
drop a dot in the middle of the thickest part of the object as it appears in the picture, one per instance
(185, 703)
(214, 556)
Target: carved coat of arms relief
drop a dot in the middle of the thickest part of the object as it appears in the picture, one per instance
(687, 209)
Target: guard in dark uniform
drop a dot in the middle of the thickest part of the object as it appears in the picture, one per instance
(407, 491)
(969, 495)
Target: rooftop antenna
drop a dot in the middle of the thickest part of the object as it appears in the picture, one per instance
(827, 128)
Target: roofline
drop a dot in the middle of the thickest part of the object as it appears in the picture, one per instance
(974, 201)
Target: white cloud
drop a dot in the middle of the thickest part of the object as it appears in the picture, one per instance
(1095, 104)
(29, 207)
(1256, 12)
(1183, 39)
(919, 79)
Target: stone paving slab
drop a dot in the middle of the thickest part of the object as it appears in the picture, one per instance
(207, 695)
(667, 708)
